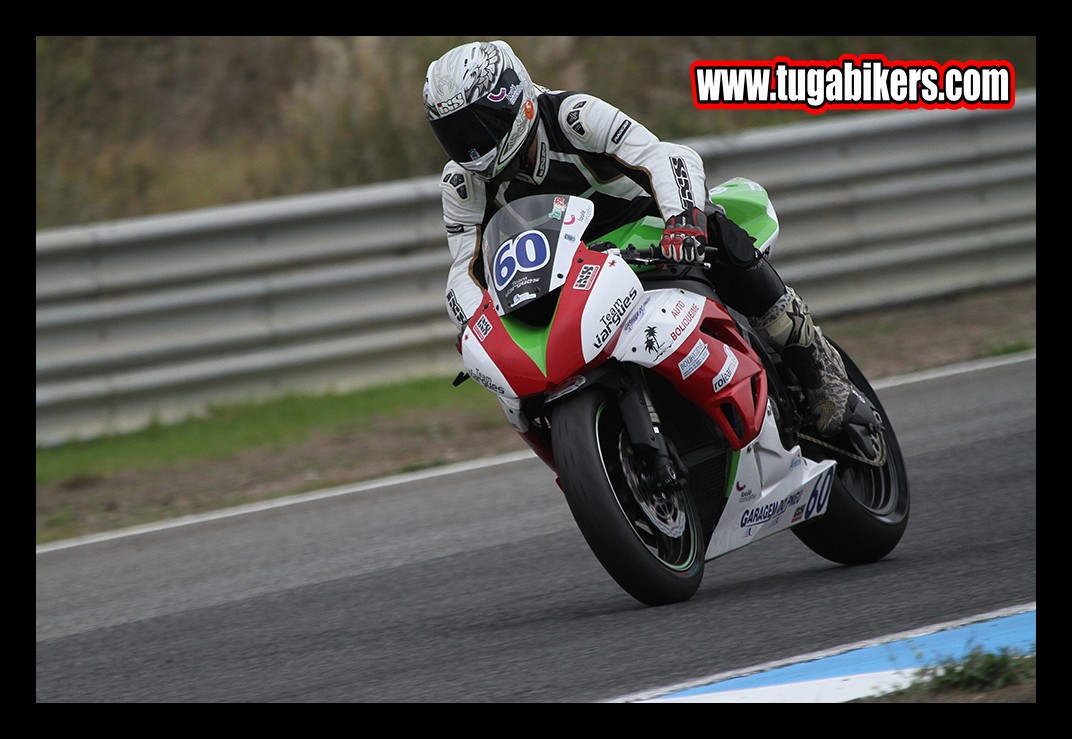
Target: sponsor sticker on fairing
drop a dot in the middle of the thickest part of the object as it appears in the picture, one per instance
(586, 277)
(694, 359)
(638, 313)
(686, 316)
(729, 369)
(482, 328)
(612, 319)
(486, 380)
(769, 511)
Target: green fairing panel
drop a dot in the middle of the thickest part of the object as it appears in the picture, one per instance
(531, 339)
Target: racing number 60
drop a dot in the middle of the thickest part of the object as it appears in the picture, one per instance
(820, 494)
(526, 253)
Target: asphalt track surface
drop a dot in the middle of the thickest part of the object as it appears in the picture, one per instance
(472, 585)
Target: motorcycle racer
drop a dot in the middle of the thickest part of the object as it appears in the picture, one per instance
(508, 137)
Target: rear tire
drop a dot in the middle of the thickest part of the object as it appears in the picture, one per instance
(656, 557)
(869, 506)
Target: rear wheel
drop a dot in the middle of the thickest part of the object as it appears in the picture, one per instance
(649, 540)
(869, 502)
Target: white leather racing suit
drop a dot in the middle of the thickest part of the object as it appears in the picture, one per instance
(585, 147)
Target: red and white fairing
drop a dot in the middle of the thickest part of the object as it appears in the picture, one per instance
(692, 341)
(603, 312)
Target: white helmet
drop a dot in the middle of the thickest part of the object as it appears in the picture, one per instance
(481, 103)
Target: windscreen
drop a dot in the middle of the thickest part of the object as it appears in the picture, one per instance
(528, 246)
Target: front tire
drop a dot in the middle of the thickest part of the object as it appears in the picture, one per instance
(869, 505)
(651, 544)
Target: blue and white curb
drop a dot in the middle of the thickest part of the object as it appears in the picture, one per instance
(860, 670)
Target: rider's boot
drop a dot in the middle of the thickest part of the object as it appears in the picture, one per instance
(789, 327)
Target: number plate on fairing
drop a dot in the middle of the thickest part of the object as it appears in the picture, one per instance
(774, 489)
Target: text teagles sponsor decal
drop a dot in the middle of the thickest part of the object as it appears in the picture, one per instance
(613, 318)
(486, 381)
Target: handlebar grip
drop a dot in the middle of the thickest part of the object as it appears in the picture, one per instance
(654, 254)
(649, 254)
(641, 252)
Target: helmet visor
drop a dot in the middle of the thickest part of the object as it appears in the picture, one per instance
(472, 136)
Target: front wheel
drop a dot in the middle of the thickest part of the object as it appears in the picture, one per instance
(650, 541)
(869, 503)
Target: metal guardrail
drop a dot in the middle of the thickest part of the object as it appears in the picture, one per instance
(156, 319)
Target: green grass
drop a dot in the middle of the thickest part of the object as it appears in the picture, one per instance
(230, 429)
(980, 671)
(1007, 675)
(998, 350)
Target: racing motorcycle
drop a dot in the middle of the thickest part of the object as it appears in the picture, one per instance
(675, 432)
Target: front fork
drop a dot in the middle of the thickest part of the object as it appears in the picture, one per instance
(642, 424)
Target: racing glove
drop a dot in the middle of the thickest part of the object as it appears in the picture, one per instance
(684, 237)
